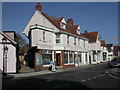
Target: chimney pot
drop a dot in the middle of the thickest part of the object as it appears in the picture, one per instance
(38, 7)
(85, 31)
(70, 21)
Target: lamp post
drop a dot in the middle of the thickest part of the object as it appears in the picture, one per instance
(5, 49)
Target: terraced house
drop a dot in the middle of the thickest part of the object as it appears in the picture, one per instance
(55, 39)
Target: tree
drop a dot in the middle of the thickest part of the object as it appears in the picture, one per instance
(21, 42)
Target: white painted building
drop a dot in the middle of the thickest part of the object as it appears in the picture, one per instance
(55, 39)
(8, 52)
(94, 46)
(104, 51)
(110, 51)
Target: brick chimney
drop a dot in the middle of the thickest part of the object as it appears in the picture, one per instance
(38, 7)
(85, 31)
(70, 21)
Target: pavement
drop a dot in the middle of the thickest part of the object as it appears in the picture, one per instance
(26, 71)
(114, 72)
(27, 74)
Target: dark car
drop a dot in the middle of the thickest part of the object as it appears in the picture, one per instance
(114, 62)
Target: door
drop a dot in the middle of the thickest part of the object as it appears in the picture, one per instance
(58, 62)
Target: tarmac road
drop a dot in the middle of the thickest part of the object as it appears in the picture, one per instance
(91, 77)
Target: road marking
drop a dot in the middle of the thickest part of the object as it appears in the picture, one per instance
(89, 78)
(83, 80)
(101, 75)
(57, 86)
(67, 84)
(68, 74)
(49, 77)
(98, 76)
(94, 77)
(49, 80)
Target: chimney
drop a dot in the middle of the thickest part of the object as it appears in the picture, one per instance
(38, 7)
(70, 21)
(85, 31)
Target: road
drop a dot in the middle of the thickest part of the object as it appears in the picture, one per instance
(91, 77)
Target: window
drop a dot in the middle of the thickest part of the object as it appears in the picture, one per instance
(74, 41)
(57, 38)
(43, 57)
(84, 43)
(86, 57)
(78, 31)
(78, 41)
(94, 56)
(80, 57)
(67, 39)
(43, 36)
(66, 57)
(63, 25)
(70, 57)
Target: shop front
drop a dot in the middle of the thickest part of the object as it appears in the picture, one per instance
(69, 59)
(43, 59)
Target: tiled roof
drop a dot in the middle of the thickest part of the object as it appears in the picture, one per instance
(69, 27)
(103, 43)
(92, 36)
(8, 38)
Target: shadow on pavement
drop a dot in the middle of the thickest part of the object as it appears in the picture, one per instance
(34, 83)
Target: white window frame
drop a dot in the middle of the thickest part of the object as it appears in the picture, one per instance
(75, 41)
(43, 35)
(63, 25)
(68, 39)
(57, 38)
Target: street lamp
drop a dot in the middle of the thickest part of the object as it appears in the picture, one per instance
(5, 50)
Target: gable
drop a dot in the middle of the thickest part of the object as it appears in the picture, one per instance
(39, 19)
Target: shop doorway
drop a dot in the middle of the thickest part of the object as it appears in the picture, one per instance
(58, 59)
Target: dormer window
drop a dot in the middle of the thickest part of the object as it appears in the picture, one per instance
(78, 30)
(63, 23)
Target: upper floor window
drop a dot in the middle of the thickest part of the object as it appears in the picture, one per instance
(84, 43)
(67, 39)
(78, 42)
(57, 38)
(43, 36)
(74, 41)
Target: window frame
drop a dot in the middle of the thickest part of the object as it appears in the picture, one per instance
(57, 38)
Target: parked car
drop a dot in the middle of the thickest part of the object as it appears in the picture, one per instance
(114, 62)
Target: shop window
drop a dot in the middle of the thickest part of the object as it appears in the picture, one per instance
(94, 56)
(80, 57)
(104, 56)
(46, 59)
(66, 57)
(86, 57)
(70, 57)
(43, 57)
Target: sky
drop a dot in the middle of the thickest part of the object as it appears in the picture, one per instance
(91, 16)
